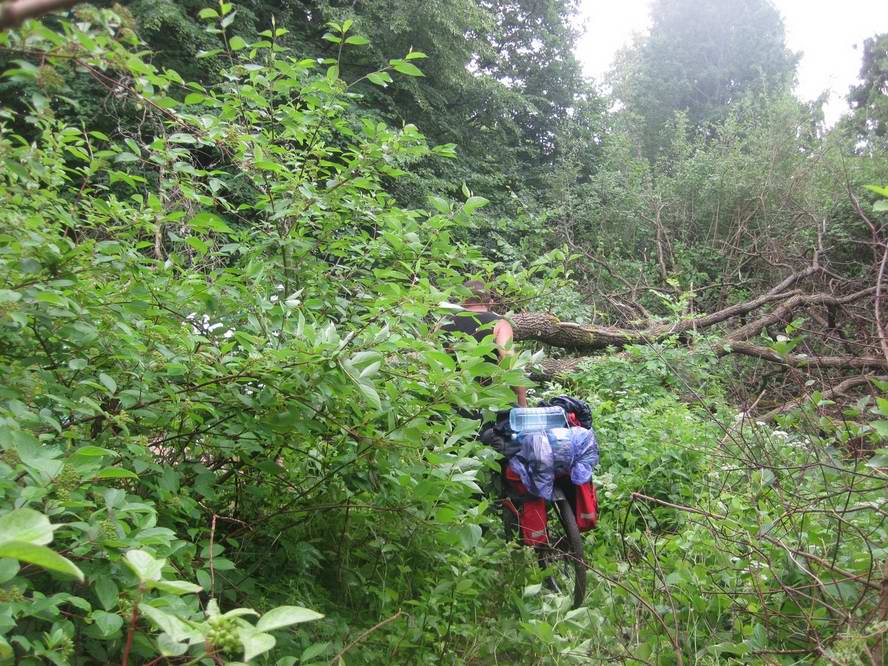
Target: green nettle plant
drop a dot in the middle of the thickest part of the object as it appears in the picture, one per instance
(216, 326)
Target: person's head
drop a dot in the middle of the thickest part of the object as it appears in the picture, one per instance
(481, 296)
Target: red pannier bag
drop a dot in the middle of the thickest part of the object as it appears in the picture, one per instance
(532, 515)
(586, 507)
(533, 522)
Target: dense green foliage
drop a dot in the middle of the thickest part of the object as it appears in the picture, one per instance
(230, 368)
(498, 82)
(229, 428)
(701, 58)
(868, 99)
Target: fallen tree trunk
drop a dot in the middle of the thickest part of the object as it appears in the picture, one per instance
(548, 329)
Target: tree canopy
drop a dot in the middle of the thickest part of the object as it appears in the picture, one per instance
(868, 98)
(700, 59)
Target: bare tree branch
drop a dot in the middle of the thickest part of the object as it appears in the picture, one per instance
(883, 339)
(547, 328)
(836, 391)
(801, 361)
(781, 312)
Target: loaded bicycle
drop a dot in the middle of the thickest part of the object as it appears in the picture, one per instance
(545, 488)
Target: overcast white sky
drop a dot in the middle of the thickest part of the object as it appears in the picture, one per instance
(825, 31)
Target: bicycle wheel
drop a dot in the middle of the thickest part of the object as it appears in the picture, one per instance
(563, 556)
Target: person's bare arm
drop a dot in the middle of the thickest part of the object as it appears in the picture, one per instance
(502, 335)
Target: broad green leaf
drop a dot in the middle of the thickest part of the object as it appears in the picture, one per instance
(169, 647)
(371, 370)
(237, 43)
(406, 68)
(878, 189)
(108, 383)
(206, 221)
(474, 203)
(6, 651)
(370, 394)
(177, 587)
(440, 204)
(40, 556)
(469, 535)
(379, 78)
(357, 40)
(116, 473)
(284, 616)
(107, 592)
(255, 642)
(146, 567)
(25, 525)
(94, 452)
(203, 579)
(108, 623)
(881, 427)
(532, 590)
(314, 650)
(182, 137)
(9, 296)
(240, 612)
(9, 568)
(178, 630)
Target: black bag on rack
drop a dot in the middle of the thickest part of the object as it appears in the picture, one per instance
(579, 408)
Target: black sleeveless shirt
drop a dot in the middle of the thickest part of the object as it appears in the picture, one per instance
(477, 324)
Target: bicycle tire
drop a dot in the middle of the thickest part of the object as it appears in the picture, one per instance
(570, 548)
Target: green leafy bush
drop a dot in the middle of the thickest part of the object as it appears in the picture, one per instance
(214, 329)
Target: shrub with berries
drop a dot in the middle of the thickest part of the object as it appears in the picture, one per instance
(222, 635)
